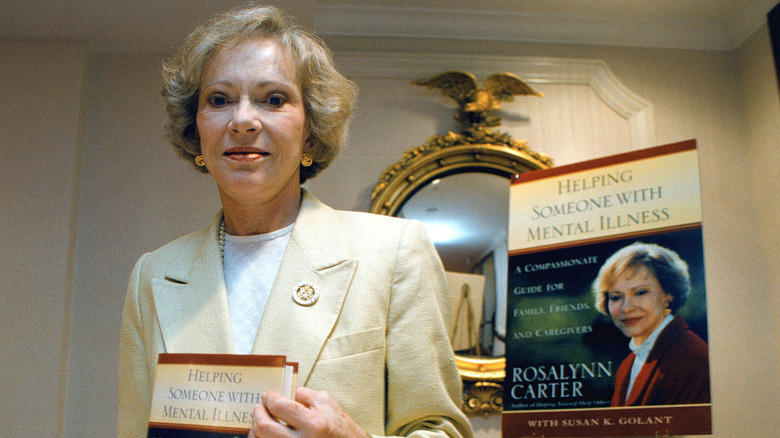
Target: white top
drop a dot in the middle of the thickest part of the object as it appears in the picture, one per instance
(642, 350)
(250, 266)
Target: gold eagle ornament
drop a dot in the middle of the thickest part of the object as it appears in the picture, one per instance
(473, 102)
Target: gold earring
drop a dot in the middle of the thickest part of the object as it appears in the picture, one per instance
(200, 161)
(306, 160)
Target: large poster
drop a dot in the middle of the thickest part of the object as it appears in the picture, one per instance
(607, 323)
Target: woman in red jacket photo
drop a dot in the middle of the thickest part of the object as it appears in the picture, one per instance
(641, 287)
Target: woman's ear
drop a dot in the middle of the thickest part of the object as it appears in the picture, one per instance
(307, 145)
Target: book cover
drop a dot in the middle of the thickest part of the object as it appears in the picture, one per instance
(563, 353)
(214, 395)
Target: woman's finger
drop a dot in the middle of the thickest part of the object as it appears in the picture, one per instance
(265, 424)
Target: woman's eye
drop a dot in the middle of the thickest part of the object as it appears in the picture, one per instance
(276, 100)
(614, 297)
(217, 100)
(641, 291)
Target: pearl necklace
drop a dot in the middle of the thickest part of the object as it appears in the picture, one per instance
(222, 240)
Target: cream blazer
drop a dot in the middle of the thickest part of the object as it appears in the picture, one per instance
(375, 339)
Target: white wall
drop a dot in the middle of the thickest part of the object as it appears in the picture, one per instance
(762, 112)
(42, 93)
(79, 209)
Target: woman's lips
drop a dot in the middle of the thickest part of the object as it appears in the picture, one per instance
(245, 154)
(630, 321)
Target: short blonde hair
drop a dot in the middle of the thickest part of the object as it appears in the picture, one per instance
(666, 265)
(328, 96)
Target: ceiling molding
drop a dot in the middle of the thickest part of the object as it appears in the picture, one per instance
(160, 27)
(410, 22)
(593, 73)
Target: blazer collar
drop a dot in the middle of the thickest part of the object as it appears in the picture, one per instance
(650, 367)
(316, 254)
(192, 299)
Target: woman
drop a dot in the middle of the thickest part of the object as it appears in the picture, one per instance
(640, 287)
(258, 104)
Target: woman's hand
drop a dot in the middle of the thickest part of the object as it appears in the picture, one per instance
(311, 414)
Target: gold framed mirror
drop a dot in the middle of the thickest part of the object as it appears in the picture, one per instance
(476, 151)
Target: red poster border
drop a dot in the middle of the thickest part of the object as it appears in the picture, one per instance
(605, 161)
(614, 421)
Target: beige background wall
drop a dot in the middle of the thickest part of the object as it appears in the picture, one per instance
(89, 184)
(41, 125)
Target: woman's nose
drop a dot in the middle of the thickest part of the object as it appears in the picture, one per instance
(626, 304)
(246, 119)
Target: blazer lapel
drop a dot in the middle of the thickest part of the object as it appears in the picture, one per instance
(647, 375)
(315, 254)
(191, 300)
(640, 383)
(622, 380)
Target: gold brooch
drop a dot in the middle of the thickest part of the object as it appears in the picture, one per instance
(306, 293)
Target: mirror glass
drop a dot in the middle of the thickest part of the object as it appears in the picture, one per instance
(466, 215)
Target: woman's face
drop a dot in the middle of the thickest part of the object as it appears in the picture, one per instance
(637, 302)
(252, 122)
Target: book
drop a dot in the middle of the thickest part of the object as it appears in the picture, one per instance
(214, 395)
(563, 353)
